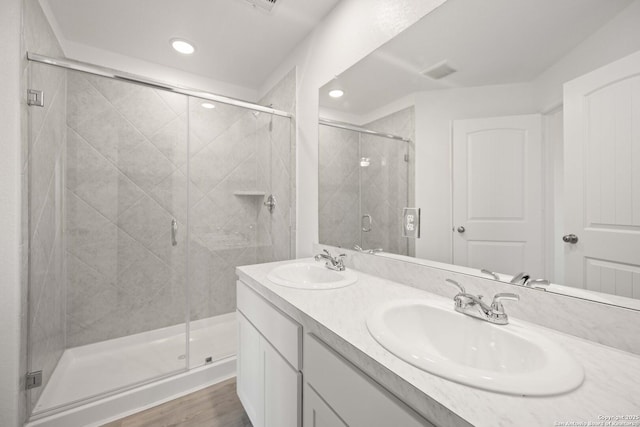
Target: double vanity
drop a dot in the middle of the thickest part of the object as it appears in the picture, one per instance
(324, 347)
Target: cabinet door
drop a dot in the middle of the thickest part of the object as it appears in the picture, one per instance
(317, 413)
(250, 381)
(282, 390)
(351, 394)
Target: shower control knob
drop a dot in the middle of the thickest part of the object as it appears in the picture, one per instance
(461, 229)
(570, 238)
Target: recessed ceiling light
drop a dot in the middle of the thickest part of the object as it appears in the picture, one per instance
(208, 105)
(336, 93)
(183, 46)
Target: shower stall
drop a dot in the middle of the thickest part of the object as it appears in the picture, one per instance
(142, 200)
(365, 181)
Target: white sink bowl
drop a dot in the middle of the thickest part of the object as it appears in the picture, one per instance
(509, 359)
(305, 275)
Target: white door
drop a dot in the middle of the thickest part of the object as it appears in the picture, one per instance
(497, 194)
(602, 178)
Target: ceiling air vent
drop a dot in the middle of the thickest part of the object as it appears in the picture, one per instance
(264, 5)
(439, 71)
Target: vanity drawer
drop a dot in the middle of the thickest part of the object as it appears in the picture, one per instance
(282, 332)
(350, 394)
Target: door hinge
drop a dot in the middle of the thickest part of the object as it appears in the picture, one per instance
(406, 158)
(34, 379)
(35, 97)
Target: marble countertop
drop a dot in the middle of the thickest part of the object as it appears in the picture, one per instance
(611, 387)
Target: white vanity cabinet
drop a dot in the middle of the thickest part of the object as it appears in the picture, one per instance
(269, 360)
(271, 373)
(337, 394)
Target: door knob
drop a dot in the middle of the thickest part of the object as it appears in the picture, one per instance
(570, 238)
(461, 229)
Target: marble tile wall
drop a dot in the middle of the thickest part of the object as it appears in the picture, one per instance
(339, 187)
(601, 323)
(381, 189)
(44, 134)
(127, 179)
(253, 155)
(223, 224)
(276, 166)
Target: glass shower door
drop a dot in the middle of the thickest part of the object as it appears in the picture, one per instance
(108, 186)
(238, 158)
(383, 193)
(363, 188)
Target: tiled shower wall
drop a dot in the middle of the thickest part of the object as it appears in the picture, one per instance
(339, 186)
(44, 134)
(127, 179)
(381, 189)
(251, 156)
(277, 167)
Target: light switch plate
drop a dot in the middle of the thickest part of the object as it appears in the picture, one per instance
(411, 223)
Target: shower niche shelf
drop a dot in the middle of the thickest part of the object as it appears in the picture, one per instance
(249, 193)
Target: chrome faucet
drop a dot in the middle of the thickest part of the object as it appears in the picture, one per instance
(537, 284)
(474, 306)
(367, 251)
(333, 263)
(525, 280)
(520, 278)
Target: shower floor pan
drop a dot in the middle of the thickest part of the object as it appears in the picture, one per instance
(88, 372)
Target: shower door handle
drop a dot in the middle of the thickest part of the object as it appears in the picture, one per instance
(174, 232)
(366, 228)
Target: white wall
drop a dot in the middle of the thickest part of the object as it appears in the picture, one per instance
(352, 30)
(618, 38)
(434, 112)
(10, 295)
(141, 67)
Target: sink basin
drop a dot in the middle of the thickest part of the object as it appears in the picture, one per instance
(509, 359)
(305, 275)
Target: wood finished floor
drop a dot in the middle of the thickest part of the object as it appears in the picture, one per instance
(215, 406)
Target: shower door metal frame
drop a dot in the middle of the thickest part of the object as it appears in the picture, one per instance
(98, 70)
(360, 129)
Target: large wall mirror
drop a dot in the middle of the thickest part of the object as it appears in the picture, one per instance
(514, 127)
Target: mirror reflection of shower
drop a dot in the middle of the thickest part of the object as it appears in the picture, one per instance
(365, 182)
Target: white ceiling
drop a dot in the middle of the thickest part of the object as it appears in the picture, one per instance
(235, 43)
(488, 42)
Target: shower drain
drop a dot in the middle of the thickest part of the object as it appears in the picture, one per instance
(208, 359)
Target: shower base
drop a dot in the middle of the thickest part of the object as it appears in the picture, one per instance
(150, 367)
